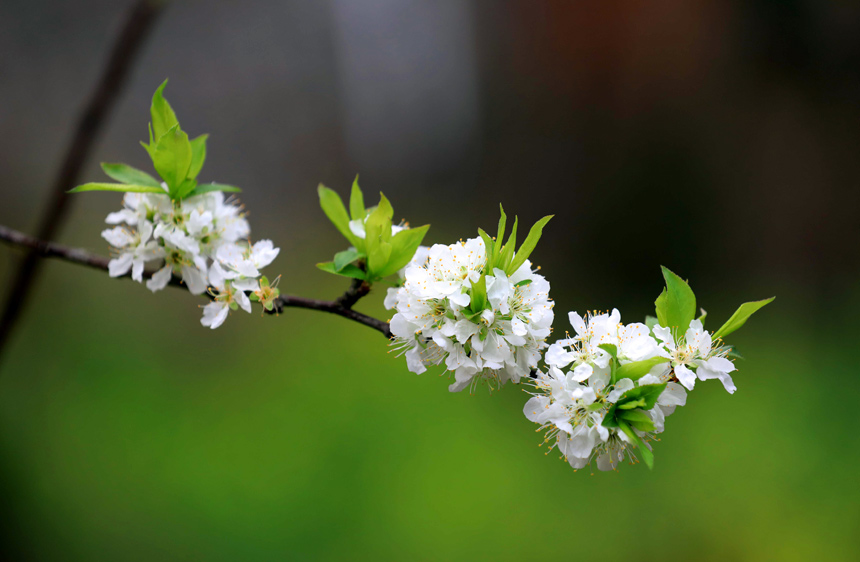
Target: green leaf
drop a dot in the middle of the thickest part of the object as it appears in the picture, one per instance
(638, 419)
(163, 117)
(378, 232)
(126, 174)
(404, 244)
(529, 245)
(609, 348)
(647, 455)
(500, 238)
(508, 251)
(649, 393)
(377, 259)
(122, 187)
(523, 283)
(348, 271)
(332, 206)
(489, 247)
(676, 305)
(198, 155)
(638, 369)
(356, 202)
(186, 187)
(478, 295)
(172, 158)
(344, 258)
(703, 315)
(209, 187)
(740, 317)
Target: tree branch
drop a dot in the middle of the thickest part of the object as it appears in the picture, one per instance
(138, 23)
(43, 249)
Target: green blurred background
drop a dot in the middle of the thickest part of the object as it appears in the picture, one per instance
(719, 139)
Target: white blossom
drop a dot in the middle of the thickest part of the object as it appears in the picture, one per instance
(571, 405)
(693, 356)
(433, 323)
(200, 240)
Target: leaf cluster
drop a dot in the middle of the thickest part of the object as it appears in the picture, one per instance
(177, 159)
(629, 413)
(380, 253)
(676, 308)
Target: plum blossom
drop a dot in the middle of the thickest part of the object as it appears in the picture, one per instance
(693, 356)
(434, 323)
(200, 240)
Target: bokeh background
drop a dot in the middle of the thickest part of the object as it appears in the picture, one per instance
(718, 138)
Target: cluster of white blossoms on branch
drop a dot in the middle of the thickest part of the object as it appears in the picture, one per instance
(201, 240)
(477, 308)
(188, 230)
(495, 334)
(606, 392)
(606, 361)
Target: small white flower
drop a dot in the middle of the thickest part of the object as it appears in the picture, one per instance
(135, 249)
(693, 356)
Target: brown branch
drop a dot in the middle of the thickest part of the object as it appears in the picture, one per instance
(136, 28)
(43, 249)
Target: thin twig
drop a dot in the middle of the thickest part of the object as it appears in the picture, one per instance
(43, 249)
(138, 23)
(357, 289)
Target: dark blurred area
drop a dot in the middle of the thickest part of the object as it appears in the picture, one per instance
(717, 138)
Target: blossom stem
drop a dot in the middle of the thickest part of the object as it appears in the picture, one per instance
(138, 23)
(341, 307)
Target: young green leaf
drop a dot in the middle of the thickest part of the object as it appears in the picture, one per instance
(378, 258)
(332, 206)
(186, 187)
(163, 117)
(638, 419)
(126, 174)
(121, 187)
(344, 258)
(209, 187)
(172, 158)
(488, 247)
(638, 369)
(529, 245)
(356, 202)
(404, 244)
(647, 455)
(647, 392)
(676, 305)
(378, 232)
(609, 348)
(198, 155)
(508, 251)
(500, 239)
(478, 295)
(348, 271)
(740, 317)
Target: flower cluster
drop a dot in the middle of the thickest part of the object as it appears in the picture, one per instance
(483, 323)
(573, 405)
(606, 392)
(199, 239)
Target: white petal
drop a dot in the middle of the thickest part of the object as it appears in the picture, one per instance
(160, 279)
(685, 376)
(119, 266)
(582, 372)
